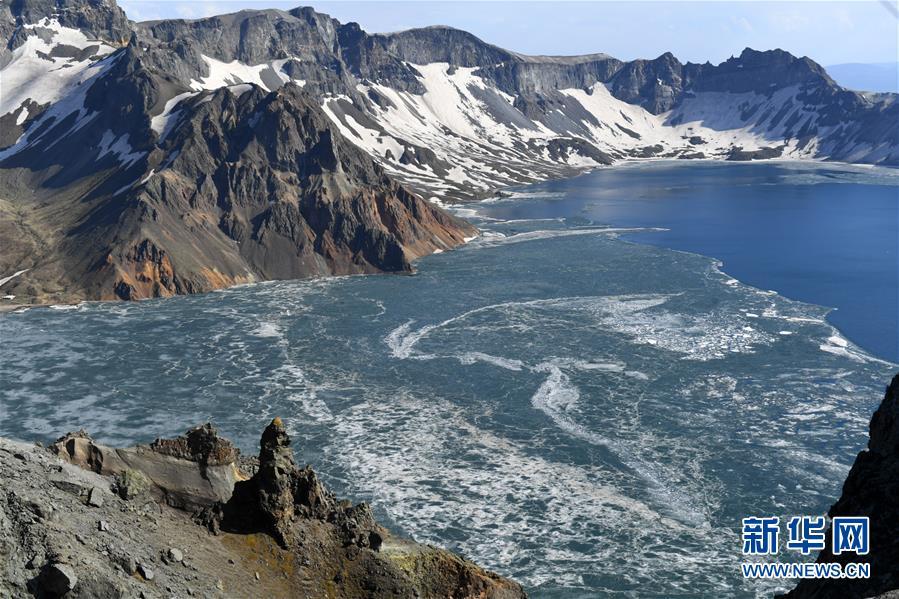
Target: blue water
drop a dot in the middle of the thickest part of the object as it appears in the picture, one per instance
(577, 406)
(791, 227)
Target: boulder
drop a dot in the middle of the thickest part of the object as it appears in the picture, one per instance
(146, 571)
(130, 484)
(57, 579)
(95, 497)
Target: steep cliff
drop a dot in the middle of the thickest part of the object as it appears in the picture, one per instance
(871, 489)
(112, 191)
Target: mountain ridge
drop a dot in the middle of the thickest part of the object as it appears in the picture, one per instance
(244, 192)
(108, 196)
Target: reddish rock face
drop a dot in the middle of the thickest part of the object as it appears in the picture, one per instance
(261, 187)
(249, 186)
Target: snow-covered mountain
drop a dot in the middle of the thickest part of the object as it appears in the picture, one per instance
(174, 156)
(531, 117)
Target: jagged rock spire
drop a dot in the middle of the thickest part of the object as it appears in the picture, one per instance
(274, 479)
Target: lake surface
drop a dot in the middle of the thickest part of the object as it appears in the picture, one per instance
(796, 228)
(589, 414)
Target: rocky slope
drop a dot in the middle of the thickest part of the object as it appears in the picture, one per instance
(871, 489)
(188, 517)
(103, 198)
(147, 159)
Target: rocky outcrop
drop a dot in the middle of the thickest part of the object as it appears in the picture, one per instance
(85, 520)
(102, 19)
(278, 493)
(195, 470)
(871, 489)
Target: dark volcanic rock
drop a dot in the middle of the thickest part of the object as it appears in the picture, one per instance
(654, 84)
(760, 72)
(201, 444)
(565, 148)
(871, 489)
(56, 580)
(738, 154)
(280, 491)
(442, 44)
(249, 186)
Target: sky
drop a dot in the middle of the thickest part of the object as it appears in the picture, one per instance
(829, 32)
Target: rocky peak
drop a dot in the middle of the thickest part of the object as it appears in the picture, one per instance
(102, 19)
(126, 92)
(275, 442)
(760, 71)
(777, 58)
(255, 132)
(654, 84)
(323, 24)
(274, 479)
(249, 36)
(443, 44)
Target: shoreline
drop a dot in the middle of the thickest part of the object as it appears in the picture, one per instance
(477, 197)
(459, 208)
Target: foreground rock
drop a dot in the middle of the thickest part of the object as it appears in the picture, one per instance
(872, 490)
(189, 517)
(192, 471)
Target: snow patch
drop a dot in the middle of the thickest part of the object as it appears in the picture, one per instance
(32, 73)
(224, 74)
(162, 123)
(9, 278)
